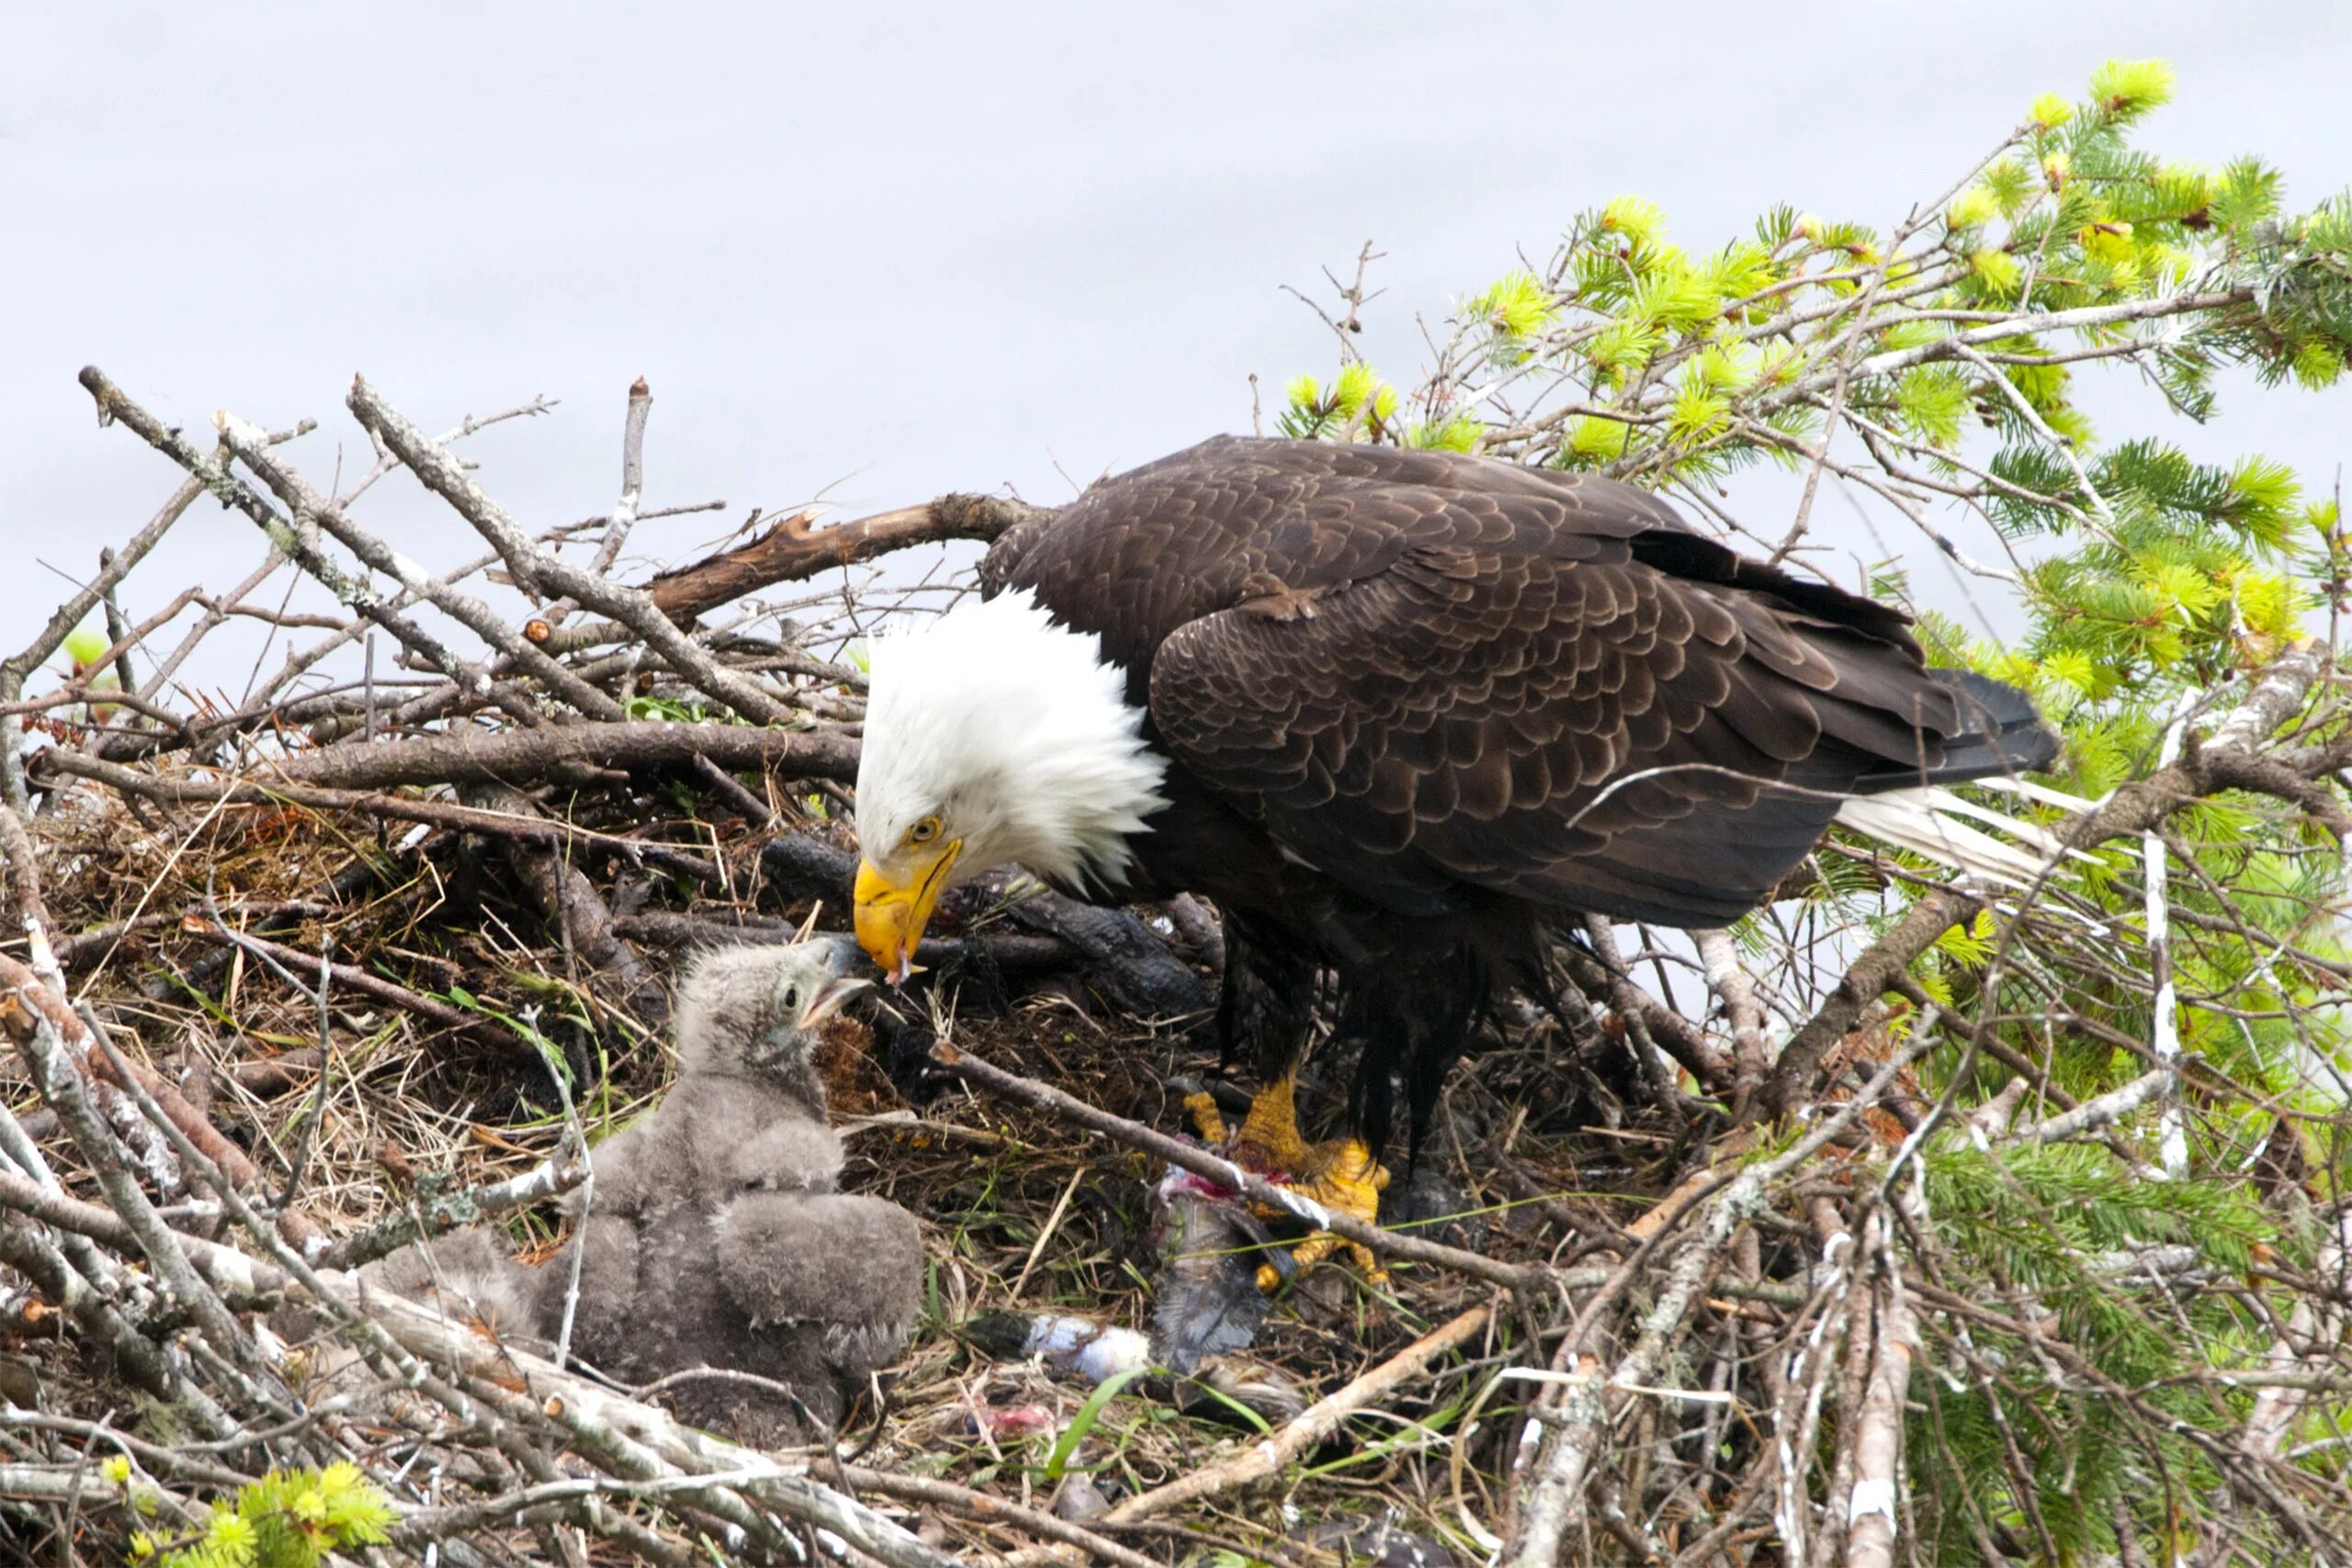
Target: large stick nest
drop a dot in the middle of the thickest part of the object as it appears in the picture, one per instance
(373, 947)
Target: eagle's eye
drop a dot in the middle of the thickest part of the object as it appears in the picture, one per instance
(923, 831)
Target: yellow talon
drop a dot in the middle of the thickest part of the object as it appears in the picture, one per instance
(1347, 1180)
(1340, 1174)
(1207, 1118)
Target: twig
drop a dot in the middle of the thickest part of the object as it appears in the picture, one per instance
(373, 986)
(989, 1511)
(246, 1279)
(114, 566)
(2313, 1330)
(1752, 1051)
(1657, 1073)
(2135, 809)
(625, 512)
(574, 753)
(2102, 518)
(1691, 1050)
(435, 1214)
(572, 905)
(82, 1287)
(1264, 1460)
(292, 539)
(1870, 1515)
(756, 812)
(118, 631)
(625, 1434)
(1571, 1435)
(1201, 1162)
(2105, 1111)
(35, 998)
(575, 1142)
(538, 571)
(62, 1086)
(2081, 319)
(250, 445)
(1574, 1434)
(438, 813)
(1008, 952)
(297, 1166)
(60, 626)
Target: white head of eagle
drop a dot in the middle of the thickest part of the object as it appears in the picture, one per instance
(992, 735)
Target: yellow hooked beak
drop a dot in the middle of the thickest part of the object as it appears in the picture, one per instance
(892, 914)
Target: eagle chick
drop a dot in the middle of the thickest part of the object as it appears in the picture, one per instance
(713, 1238)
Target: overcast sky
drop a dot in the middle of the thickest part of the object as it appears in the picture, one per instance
(880, 250)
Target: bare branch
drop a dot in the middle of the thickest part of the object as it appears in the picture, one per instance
(538, 573)
(791, 549)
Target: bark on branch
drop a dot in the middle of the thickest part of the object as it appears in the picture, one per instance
(574, 753)
(792, 549)
(575, 908)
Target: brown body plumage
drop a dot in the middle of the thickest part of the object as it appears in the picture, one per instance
(1415, 704)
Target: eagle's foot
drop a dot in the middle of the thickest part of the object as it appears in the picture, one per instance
(1347, 1180)
(1339, 1175)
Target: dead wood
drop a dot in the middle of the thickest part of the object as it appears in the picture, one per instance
(790, 549)
(1001, 953)
(574, 753)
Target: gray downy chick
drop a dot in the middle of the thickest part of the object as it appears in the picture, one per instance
(714, 1236)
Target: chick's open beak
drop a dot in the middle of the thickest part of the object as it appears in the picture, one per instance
(891, 914)
(830, 996)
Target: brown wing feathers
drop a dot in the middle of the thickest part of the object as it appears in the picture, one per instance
(1419, 672)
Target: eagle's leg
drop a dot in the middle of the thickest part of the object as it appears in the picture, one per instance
(1271, 1130)
(1267, 1009)
(1339, 1173)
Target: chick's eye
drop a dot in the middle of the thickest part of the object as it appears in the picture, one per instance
(792, 998)
(923, 831)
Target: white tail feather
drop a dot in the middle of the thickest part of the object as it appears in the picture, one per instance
(1926, 822)
(2043, 793)
(2033, 834)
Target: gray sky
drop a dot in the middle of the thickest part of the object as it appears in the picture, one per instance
(884, 249)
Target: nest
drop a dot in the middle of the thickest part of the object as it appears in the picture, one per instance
(381, 946)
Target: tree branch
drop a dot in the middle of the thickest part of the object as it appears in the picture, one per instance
(791, 549)
(538, 573)
(2277, 696)
(574, 753)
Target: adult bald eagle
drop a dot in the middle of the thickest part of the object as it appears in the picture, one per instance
(1391, 711)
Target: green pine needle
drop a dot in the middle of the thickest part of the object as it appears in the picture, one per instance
(2123, 90)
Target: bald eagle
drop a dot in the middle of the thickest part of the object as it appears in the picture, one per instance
(1394, 712)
